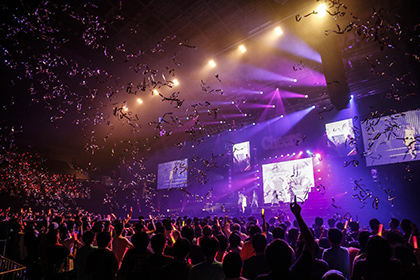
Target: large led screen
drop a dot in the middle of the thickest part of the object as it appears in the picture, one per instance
(241, 157)
(173, 174)
(340, 137)
(283, 180)
(391, 139)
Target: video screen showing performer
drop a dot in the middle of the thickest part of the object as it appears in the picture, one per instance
(283, 180)
(241, 157)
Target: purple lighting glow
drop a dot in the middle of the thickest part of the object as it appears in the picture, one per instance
(289, 94)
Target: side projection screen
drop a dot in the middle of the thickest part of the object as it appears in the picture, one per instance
(391, 139)
(340, 137)
(241, 157)
(173, 174)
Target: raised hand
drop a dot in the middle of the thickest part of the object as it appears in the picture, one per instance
(295, 207)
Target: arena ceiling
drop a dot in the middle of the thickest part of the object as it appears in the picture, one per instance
(83, 79)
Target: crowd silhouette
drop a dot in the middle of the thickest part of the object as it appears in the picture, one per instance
(57, 245)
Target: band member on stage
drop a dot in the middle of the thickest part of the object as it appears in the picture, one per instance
(254, 202)
(242, 202)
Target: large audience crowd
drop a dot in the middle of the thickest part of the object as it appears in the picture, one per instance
(85, 246)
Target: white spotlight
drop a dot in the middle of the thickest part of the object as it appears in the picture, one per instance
(321, 10)
(278, 31)
(175, 81)
(139, 101)
(242, 48)
(212, 63)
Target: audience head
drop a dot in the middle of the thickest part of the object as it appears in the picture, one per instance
(324, 243)
(293, 235)
(103, 239)
(278, 233)
(374, 224)
(234, 240)
(363, 239)
(181, 248)
(406, 226)
(223, 242)
(254, 230)
(207, 231)
(53, 236)
(283, 226)
(140, 240)
(167, 224)
(119, 227)
(394, 223)
(88, 237)
(209, 246)
(259, 242)
(236, 227)
(158, 243)
(378, 250)
(188, 233)
(354, 226)
(279, 255)
(335, 236)
(232, 265)
(98, 226)
(333, 275)
(139, 226)
(319, 221)
(331, 223)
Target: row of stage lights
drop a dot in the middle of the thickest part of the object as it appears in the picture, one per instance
(155, 92)
(321, 11)
(298, 155)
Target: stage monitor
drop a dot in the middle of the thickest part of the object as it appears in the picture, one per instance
(391, 139)
(241, 157)
(283, 180)
(173, 174)
(340, 137)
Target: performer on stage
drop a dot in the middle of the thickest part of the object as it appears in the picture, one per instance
(242, 204)
(275, 199)
(254, 202)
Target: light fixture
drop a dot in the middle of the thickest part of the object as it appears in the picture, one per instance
(212, 63)
(321, 10)
(242, 48)
(278, 31)
(139, 101)
(175, 81)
